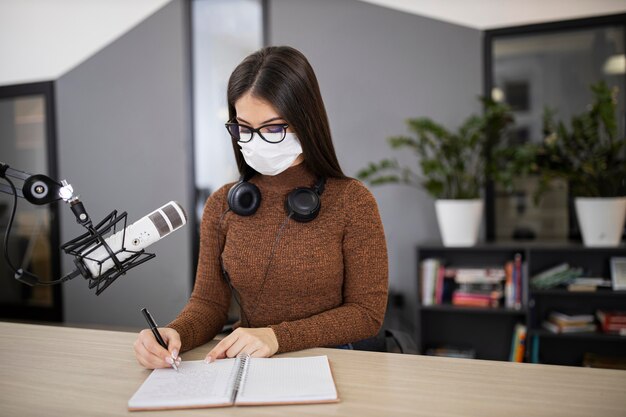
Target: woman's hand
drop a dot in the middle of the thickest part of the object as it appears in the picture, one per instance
(258, 343)
(151, 355)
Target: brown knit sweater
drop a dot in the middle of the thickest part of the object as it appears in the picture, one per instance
(327, 282)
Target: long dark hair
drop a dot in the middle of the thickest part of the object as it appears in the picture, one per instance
(283, 77)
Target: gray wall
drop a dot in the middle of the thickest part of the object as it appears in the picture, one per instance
(376, 68)
(123, 133)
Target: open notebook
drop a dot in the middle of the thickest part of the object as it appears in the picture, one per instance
(240, 381)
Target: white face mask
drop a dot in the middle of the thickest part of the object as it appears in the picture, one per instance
(271, 158)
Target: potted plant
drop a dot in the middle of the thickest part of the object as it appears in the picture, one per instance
(453, 168)
(591, 156)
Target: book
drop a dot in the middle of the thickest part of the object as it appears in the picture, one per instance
(534, 358)
(508, 286)
(452, 352)
(596, 281)
(521, 343)
(556, 328)
(240, 381)
(429, 271)
(565, 319)
(449, 286)
(612, 321)
(439, 284)
(581, 287)
(524, 287)
(518, 343)
(479, 275)
(492, 299)
(517, 281)
(560, 268)
(563, 323)
(561, 274)
(481, 288)
(588, 284)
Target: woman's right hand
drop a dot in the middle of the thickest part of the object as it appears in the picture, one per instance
(151, 355)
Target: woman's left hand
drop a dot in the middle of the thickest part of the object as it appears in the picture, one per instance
(258, 343)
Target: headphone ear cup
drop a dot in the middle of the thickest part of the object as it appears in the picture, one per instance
(303, 204)
(244, 198)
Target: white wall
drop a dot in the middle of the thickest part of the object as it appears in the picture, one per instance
(40, 40)
(124, 135)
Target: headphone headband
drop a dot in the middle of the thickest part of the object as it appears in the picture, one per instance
(320, 185)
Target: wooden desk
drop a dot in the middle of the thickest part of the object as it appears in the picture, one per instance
(57, 371)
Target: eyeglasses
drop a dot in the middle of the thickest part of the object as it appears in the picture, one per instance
(272, 133)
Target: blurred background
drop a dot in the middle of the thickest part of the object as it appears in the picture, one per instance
(127, 100)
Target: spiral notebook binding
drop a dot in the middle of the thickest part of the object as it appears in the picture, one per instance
(240, 378)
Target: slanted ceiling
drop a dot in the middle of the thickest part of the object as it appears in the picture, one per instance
(491, 14)
(40, 40)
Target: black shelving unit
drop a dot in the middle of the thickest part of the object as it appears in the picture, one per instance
(489, 331)
(474, 310)
(564, 293)
(577, 336)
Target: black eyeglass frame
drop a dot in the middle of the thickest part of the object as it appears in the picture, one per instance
(257, 131)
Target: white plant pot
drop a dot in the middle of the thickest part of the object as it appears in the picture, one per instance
(459, 221)
(601, 220)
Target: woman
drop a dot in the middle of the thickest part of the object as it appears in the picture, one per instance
(299, 245)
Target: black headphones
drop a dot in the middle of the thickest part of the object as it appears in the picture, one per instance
(302, 204)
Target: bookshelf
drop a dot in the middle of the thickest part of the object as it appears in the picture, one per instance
(488, 331)
(564, 293)
(577, 336)
(474, 310)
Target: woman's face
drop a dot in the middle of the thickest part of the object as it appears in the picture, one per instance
(256, 112)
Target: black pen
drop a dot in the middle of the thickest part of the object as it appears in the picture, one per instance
(156, 333)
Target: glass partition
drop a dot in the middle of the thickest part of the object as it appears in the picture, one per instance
(535, 67)
(26, 145)
(224, 32)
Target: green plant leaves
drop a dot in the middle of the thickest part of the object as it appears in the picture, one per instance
(452, 165)
(590, 155)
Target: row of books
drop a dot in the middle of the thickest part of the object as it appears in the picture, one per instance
(555, 276)
(611, 322)
(472, 287)
(477, 287)
(558, 322)
(571, 278)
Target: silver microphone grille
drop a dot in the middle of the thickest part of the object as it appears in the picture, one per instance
(174, 215)
(159, 222)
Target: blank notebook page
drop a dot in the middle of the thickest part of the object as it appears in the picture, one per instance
(288, 380)
(196, 384)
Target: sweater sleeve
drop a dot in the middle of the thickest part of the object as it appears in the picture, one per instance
(364, 288)
(206, 311)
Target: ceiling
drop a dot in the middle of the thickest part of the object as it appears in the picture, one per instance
(491, 14)
(40, 40)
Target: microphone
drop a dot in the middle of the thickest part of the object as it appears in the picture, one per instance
(101, 261)
(98, 259)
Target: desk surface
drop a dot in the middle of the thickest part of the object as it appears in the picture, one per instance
(58, 371)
